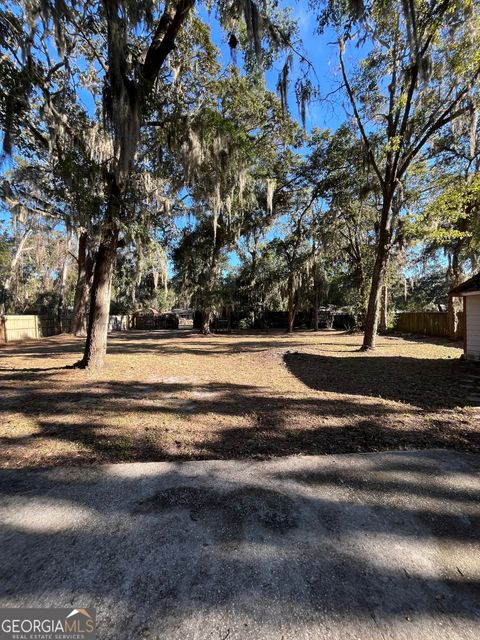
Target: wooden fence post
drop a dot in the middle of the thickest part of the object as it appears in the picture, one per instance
(3, 329)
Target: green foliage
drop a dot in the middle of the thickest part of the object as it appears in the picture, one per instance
(261, 279)
(6, 247)
(426, 291)
(454, 213)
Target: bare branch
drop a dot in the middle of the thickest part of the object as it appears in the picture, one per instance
(448, 115)
(358, 118)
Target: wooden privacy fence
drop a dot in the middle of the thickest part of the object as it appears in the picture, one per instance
(19, 328)
(49, 326)
(427, 323)
(30, 327)
(13, 328)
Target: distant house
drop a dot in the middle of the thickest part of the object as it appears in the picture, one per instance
(470, 292)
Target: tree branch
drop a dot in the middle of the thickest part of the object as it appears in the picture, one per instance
(38, 135)
(449, 114)
(163, 41)
(358, 118)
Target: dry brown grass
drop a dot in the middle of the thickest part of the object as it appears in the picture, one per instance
(179, 396)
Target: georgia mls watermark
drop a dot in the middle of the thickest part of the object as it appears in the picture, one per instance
(47, 624)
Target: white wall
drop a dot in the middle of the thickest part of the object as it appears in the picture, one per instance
(473, 327)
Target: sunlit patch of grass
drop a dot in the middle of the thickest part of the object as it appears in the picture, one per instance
(17, 425)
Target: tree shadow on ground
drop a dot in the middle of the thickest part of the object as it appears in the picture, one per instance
(271, 425)
(413, 381)
(159, 343)
(410, 337)
(138, 342)
(54, 347)
(354, 402)
(352, 547)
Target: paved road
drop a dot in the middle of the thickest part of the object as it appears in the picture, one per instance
(354, 546)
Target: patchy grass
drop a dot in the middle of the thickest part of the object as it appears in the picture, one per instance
(172, 396)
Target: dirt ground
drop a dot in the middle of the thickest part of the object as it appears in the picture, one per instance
(178, 395)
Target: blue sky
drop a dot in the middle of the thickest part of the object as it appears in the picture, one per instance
(320, 50)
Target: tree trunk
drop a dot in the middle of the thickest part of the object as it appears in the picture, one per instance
(229, 319)
(127, 101)
(96, 343)
(378, 277)
(315, 305)
(78, 325)
(362, 287)
(63, 281)
(291, 305)
(165, 278)
(137, 280)
(383, 323)
(205, 322)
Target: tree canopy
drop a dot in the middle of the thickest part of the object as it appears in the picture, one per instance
(165, 154)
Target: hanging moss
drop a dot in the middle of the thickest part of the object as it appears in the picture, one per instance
(282, 84)
(270, 190)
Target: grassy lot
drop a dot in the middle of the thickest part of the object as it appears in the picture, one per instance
(179, 396)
